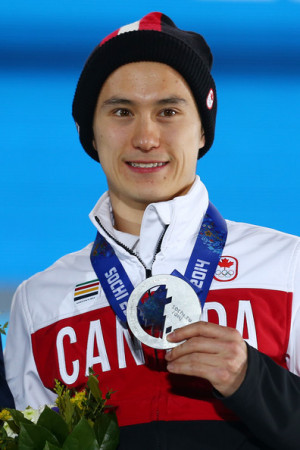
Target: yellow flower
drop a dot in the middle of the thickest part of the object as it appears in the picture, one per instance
(79, 399)
(5, 415)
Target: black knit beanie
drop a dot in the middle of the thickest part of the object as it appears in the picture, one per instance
(153, 38)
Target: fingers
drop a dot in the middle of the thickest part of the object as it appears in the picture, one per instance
(209, 351)
(203, 337)
(204, 329)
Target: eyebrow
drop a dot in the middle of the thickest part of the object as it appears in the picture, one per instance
(124, 101)
(171, 101)
(117, 101)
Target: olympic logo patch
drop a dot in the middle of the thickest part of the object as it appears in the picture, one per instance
(227, 269)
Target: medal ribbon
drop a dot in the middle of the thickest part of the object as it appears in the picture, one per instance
(199, 272)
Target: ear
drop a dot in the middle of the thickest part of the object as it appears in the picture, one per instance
(94, 144)
(202, 139)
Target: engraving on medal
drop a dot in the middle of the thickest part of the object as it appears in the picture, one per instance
(161, 303)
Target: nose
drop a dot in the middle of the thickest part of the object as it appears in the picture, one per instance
(146, 134)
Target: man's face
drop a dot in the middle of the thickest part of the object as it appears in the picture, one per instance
(147, 132)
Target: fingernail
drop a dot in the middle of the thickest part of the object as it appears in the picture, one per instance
(171, 336)
(168, 354)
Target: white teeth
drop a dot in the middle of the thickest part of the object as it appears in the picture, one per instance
(147, 166)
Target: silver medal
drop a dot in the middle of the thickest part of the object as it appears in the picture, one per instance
(182, 307)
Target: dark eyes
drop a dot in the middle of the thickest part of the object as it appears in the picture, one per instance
(168, 112)
(123, 112)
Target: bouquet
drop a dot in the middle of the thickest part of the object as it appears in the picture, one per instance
(78, 420)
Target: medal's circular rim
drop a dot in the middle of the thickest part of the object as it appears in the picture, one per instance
(138, 292)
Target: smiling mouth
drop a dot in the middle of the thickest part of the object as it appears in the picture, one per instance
(147, 165)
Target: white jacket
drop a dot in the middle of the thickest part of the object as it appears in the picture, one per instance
(53, 334)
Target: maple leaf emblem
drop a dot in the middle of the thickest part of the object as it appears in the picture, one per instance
(152, 310)
(225, 263)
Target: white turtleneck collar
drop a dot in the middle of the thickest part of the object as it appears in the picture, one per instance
(181, 217)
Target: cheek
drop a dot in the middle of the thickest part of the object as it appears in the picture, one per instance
(187, 133)
(189, 144)
(109, 157)
(107, 164)
(103, 144)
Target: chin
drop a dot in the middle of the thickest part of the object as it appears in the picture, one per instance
(147, 199)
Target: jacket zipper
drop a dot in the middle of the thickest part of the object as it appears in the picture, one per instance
(131, 252)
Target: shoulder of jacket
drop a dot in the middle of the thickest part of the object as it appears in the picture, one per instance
(260, 234)
(59, 276)
(267, 258)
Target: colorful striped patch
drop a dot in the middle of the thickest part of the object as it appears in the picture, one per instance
(88, 290)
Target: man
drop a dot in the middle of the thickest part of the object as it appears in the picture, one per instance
(145, 107)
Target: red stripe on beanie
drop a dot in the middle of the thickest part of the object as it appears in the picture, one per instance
(107, 38)
(151, 21)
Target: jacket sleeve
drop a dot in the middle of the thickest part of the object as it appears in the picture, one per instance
(21, 372)
(268, 402)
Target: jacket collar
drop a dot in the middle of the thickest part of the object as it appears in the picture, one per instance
(179, 218)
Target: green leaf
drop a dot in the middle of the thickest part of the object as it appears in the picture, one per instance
(15, 428)
(9, 445)
(49, 446)
(34, 437)
(53, 422)
(107, 431)
(93, 384)
(82, 437)
(18, 417)
(6, 442)
(2, 329)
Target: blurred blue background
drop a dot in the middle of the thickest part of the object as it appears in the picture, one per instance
(49, 185)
